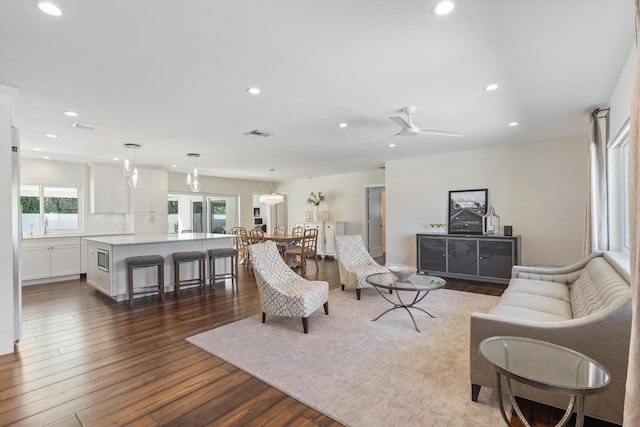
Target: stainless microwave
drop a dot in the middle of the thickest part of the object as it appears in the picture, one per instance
(103, 260)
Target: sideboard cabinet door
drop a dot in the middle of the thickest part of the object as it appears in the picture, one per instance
(496, 257)
(432, 253)
(463, 256)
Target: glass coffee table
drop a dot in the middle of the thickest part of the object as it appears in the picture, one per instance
(544, 366)
(419, 284)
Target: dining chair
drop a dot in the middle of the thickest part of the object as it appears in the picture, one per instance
(282, 292)
(282, 247)
(297, 231)
(241, 243)
(256, 235)
(309, 247)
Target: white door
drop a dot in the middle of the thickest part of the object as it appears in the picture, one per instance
(375, 221)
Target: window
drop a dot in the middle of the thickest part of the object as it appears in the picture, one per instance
(619, 191)
(49, 208)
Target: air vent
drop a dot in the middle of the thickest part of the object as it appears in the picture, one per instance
(260, 132)
(86, 126)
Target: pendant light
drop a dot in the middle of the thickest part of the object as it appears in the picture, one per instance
(192, 177)
(272, 198)
(126, 165)
(134, 178)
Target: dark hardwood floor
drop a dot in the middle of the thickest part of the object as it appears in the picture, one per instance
(86, 360)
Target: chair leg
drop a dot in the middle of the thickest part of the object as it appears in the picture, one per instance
(315, 257)
(326, 307)
(264, 317)
(342, 287)
(202, 276)
(212, 271)
(305, 324)
(475, 391)
(358, 294)
(303, 264)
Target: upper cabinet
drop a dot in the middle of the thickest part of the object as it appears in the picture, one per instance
(109, 192)
(152, 195)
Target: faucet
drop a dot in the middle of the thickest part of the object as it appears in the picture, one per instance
(46, 225)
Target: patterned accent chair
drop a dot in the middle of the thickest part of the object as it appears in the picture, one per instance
(282, 292)
(355, 263)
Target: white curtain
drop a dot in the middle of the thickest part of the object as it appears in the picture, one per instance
(632, 396)
(596, 221)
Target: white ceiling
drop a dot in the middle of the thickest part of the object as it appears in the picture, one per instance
(172, 76)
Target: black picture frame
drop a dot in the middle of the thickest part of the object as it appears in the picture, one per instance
(466, 208)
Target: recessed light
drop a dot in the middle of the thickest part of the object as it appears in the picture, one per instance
(342, 125)
(116, 159)
(392, 145)
(253, 90)
(443, 8)
(491, 87)
(37, 149)
(49, 8)
(174, 166)
(46, 157)
(512, 124)
(50, 135)
(70, 114)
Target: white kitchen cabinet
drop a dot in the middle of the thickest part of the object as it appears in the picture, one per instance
(152, 195)
(327, 231)
(151, 223)
(50, 257)
(109, 191)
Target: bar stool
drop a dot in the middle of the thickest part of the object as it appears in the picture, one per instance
(145, 261)
(223, 253)
(180, 257)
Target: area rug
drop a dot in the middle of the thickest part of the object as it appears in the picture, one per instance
(368, 373)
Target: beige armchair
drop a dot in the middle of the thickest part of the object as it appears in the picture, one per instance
(282, 292)
(355, 263)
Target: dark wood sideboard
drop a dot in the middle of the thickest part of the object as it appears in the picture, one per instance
(468, 257)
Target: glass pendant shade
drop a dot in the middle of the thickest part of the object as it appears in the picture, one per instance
(192, 177)
(134, 180)
(126, 167)
(272, 198)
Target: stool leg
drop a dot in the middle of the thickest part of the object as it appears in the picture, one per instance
(202, 276)
(161, 282)
(213, 271)
(234, 270)
(176, 278)
(130, 285)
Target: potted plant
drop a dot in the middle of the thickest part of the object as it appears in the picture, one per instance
(315, 199)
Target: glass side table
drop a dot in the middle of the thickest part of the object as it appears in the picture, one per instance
(544, 366)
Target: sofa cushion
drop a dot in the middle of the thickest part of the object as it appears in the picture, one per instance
(539, 287)
(540, 303)
(524, 314)
(596, 288)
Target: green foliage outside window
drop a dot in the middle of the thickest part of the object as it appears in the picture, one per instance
(30, 204)
(63, 205)
(219, 208)
(173, 207)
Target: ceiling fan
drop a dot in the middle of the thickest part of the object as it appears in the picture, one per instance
(409, 129)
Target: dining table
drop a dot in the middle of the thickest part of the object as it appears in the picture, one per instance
(289, 240)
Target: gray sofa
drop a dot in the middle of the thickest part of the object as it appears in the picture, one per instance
(585, 307)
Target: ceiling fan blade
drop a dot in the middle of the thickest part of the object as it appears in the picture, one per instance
(440, 132)
(400, 122)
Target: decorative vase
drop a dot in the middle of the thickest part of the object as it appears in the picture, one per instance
(491, 223)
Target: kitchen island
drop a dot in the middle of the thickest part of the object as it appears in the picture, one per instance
(106, 259)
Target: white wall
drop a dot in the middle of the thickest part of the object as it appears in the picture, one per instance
(538, 188)
(345, 197)
(620, 102)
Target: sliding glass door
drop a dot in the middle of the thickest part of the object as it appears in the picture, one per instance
(202, 213)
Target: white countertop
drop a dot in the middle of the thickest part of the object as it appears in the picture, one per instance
(137, 239)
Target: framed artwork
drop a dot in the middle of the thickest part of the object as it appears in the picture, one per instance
(466, 208)
(256, 212)
(309, 217)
